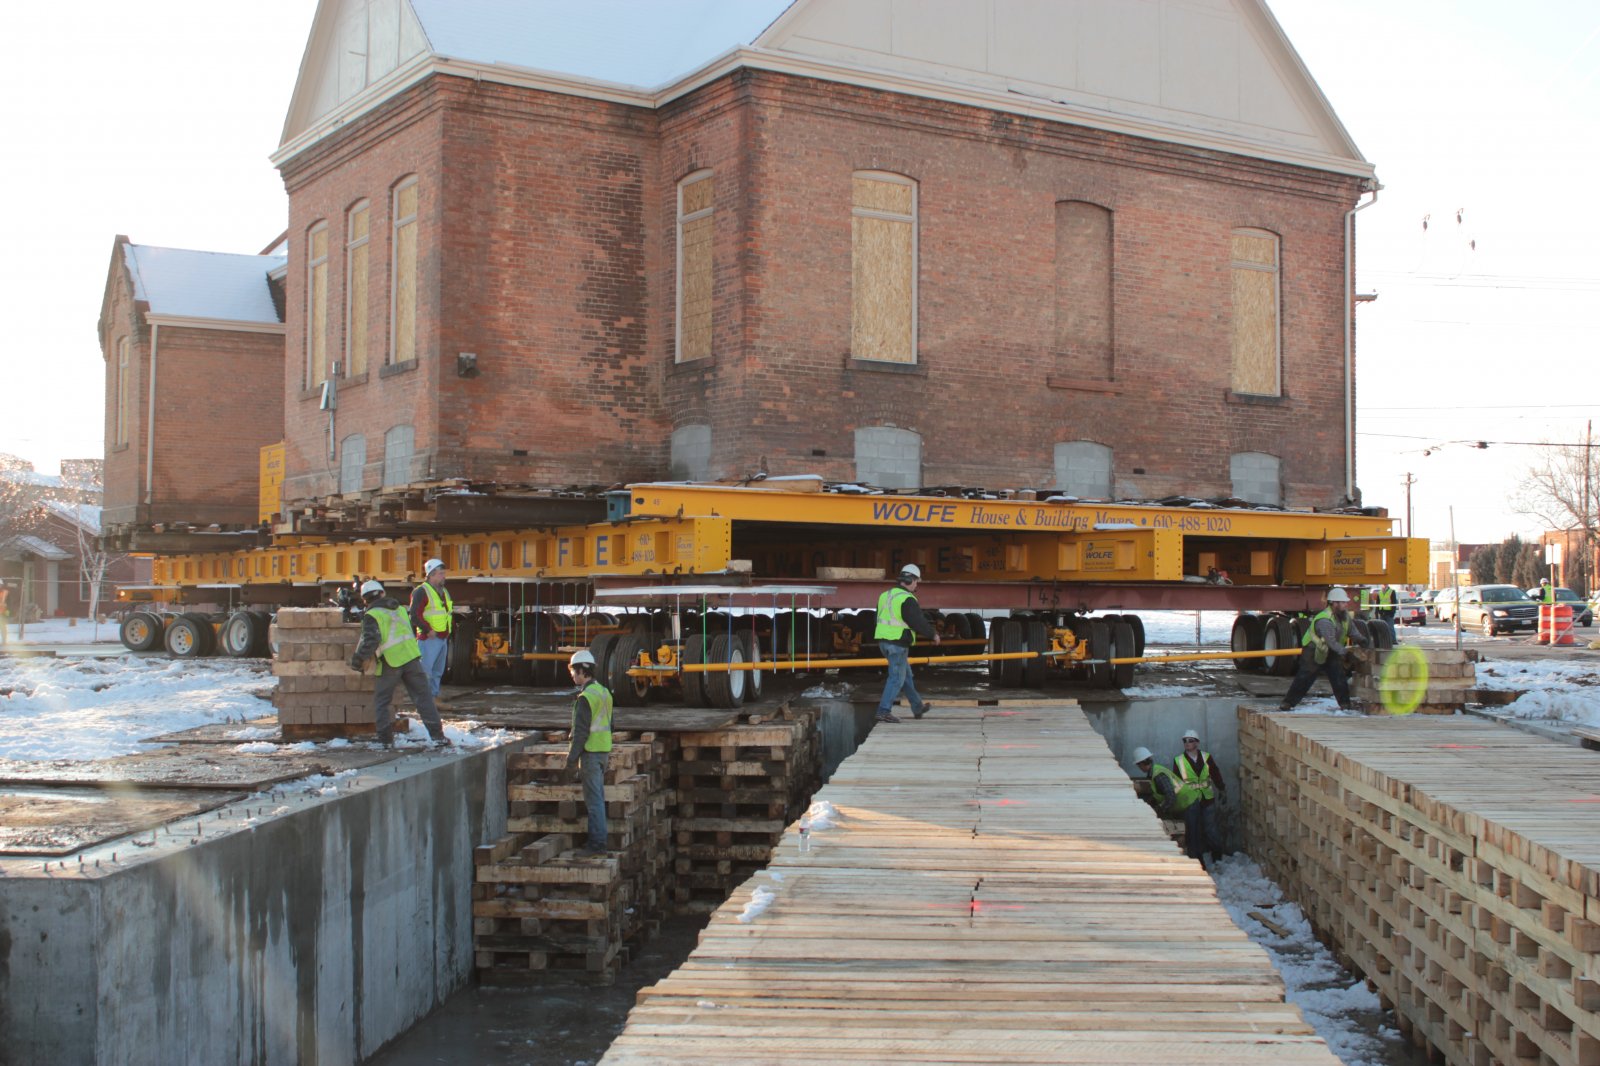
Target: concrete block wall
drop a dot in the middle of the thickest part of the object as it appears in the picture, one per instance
(313, 934)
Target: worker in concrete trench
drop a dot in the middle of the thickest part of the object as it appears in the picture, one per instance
(900, 623)
(432, 614)
(388, 639)
(1329, 643)
(1172, 800)
(1200, 790)
(590, 750)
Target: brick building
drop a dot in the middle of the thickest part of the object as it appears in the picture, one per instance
(193, 346)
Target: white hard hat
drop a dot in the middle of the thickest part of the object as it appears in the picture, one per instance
(371, 588)
(1338, 596)
(1141, 754)
(1189, 734)
(911, 570)
(581, 657)
(431, 565)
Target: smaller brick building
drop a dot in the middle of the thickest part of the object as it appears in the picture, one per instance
(193, 346)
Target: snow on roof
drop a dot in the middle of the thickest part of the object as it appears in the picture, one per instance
(621, 41)
(18, 546)
(187, 284)
(32, 477)
(86, 515)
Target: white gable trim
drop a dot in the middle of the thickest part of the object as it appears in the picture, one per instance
(233, 325)
(805, 66)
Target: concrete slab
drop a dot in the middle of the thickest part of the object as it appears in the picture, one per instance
(191, 766)
(61, 821)
(216, 732)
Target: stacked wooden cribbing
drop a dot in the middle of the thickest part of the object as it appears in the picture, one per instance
(1411, 679)
(1455, 862)
(318, 694)
(739, 788)
(537, 906)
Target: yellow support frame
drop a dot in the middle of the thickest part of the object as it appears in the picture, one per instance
(1358, 561)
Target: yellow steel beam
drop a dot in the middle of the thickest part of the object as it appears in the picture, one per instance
(866, 512)
(693, 545)
(1358, 561)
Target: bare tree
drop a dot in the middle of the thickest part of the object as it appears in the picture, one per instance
(1561, 493)
(93, 560)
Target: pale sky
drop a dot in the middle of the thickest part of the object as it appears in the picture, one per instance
(156, 120)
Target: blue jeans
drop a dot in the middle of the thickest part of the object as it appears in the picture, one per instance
(899, 682)
(434, 652)
(592, 764)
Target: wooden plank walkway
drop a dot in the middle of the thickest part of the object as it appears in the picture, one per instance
(1455, 861)
(992, 892)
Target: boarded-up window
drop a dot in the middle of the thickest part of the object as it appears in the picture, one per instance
(889, 458)
(403, 320)
(124, 393)
(1256, 477)
(1083, 289)
(1255, 313)
(398, 448)
(883, 305)
(317, 305)
(356, 270)
(694, 265)
(1083, 469)
(352, 463)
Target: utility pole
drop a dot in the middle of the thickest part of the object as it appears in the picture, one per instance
(1409, 481)
(1588, 536)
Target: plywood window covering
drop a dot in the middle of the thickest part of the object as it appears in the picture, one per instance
(1255, 313)
(695, 276)
(122, 391)
(883, 305)
(317, 305)
(403, 317)
(357, 237)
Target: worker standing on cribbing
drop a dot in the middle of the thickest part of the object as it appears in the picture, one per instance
(590, 751)
(433, 614)
(900, 623)
(1329, 641)
(1200, 789)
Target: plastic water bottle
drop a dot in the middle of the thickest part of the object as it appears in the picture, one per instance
(805, 834)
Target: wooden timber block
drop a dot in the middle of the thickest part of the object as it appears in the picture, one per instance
(309, 618)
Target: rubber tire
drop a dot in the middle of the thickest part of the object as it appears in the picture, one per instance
(460, 669)
(626, 691)
(142, 631)
(1123, 642)
(959, 625)
(1279, 633)
(601, 648)
(1036, 638)
(1137, 625)
(240, 637)
(188, 637)
(1487, 626)
(1248, 631)
(1099, 648)
(1381, 635)
(691, 687)
(996, 632)
(1010, 641)
(975, 626)
(726, 689)
(756, 681)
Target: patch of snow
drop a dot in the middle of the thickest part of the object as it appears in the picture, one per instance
(823, 815)
(760, 900)
(257, 747)
(65, 631)
(1555, 689)
(250, 732)
(1338, 1005)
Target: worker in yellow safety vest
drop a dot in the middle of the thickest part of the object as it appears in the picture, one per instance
(590, 749)
(1166, 791)
(432, 616)
(900, 623)
(387, 639)
(1330, 640)
(1201, 788)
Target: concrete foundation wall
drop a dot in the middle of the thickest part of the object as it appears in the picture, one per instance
(312, 936)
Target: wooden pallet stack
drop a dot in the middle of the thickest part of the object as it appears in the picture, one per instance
(538, 906)
(1455, 862)
(318, 695)
(1427, 680)
(739, 788)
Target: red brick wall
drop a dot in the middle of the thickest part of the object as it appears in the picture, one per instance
(548, 249)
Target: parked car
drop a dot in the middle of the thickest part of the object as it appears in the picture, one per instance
(1427, 599)
(1411, 613)
(1582, 610)
(1444, 604)
(1496, 609)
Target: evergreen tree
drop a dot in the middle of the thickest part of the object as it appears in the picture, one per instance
(1481, 565)
(1506, 559)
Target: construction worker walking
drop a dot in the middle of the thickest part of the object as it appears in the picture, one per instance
(1329, 641)
(1200, 789)
(590, 750)
(900, 623)
(432, 613)
(387, 639)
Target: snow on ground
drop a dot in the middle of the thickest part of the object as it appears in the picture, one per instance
(95, 708)
(1178, 627)
(1569, 691)
(65, 631)
(1340, 1006)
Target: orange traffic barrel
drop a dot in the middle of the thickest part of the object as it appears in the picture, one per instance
(1555, 624)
